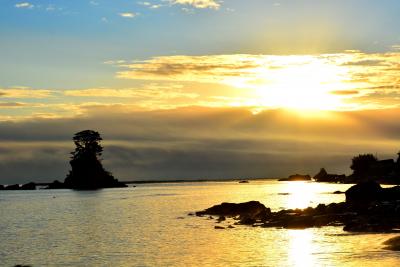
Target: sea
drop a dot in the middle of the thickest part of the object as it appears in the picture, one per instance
(149, 225)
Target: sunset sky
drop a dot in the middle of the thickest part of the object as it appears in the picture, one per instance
(195, 89)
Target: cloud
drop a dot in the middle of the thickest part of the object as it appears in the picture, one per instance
(11, 104)
(345, 92)
(150, 5)
(129, 15)
(24, 5)
(151, 91)
(213, 4)
(275, 78)
(24, 93)
(195, 142)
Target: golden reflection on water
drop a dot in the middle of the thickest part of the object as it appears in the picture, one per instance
(300, 248)
(301, 194)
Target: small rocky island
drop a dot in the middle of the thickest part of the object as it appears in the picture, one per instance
(87, 171)
(368, 208)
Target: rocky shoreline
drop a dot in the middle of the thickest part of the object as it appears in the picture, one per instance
(368, 208)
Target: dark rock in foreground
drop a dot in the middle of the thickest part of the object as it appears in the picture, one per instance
(393, 243)
(367, 192)
(379, 212)
(297, 177)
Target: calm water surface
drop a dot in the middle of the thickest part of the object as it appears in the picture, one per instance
(148, 226)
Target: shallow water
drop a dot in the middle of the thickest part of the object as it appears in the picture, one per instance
(148, 226)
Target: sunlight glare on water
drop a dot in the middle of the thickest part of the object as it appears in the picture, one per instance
(149, 226)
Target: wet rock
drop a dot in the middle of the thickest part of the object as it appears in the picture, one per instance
(393, 243)
(1, 187)
(367, 192)
(243, 182)
(219, 227)
(253, 209)
(221, 219)
(380, 212)
(363, 193)
(231, 227)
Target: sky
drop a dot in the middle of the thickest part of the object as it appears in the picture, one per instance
(198, 89)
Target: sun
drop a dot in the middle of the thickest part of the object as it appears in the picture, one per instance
(305, 84)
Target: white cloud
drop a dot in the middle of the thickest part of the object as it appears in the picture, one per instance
(129, 15)
(213, 4)
(24, 5)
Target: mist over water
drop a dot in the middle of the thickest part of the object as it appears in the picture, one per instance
(148, 226)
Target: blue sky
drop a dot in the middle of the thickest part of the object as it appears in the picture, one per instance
(63, 44)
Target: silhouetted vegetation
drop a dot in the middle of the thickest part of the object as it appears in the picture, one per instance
(87, 172)
(366, 167)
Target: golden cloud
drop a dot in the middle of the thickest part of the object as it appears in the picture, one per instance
(348, 80)
(25, 93)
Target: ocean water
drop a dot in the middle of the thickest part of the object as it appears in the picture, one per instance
(149, 226)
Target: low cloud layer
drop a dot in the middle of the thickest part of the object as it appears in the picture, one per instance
(195, 143)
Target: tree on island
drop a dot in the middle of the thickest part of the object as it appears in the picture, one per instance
(362, 164)
(87, 171)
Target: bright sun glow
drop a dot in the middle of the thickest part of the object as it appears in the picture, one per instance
(303, 86)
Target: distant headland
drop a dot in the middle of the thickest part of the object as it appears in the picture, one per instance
(365, 167)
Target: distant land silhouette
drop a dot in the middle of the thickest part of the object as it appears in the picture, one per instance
(366, 167)
(88, 173)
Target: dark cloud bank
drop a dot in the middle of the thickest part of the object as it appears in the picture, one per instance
(198, 143)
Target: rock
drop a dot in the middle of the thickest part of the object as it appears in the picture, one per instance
(1, 187)
(243, 182)
(221, 219)
(28, 186)
(367, 192)
(231, 227)
(12, 187)
(56, 185)
(297, 177)
(87, 171)
(379, 212)
(252, 209)
(393, 243)
(219, 227)
(324, 176)
(363, 193)
(338, 192)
